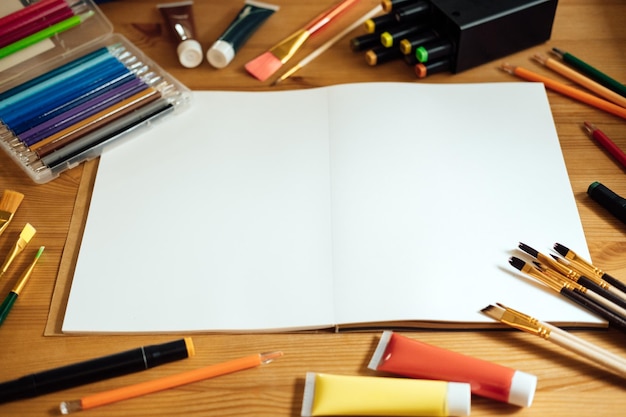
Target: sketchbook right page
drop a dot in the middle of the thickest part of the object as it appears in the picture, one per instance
(434, 186)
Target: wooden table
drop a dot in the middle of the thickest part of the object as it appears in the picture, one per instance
(594, 30)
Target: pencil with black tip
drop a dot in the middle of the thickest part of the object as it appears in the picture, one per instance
(569, 254)
(559, 337)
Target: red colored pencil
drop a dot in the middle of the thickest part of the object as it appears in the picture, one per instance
(606, 143)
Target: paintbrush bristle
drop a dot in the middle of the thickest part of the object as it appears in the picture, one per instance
(11, 200)
(495, 312)
(263, 66)
(562, 250)
(27, 233)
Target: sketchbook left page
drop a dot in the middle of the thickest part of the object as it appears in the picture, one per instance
(181, 217)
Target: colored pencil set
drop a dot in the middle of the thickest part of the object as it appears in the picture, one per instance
(67, 110)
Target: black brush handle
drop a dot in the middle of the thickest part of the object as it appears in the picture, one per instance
(589, 284)
(614, 319)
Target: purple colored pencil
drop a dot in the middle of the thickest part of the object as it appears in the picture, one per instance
(81, 112)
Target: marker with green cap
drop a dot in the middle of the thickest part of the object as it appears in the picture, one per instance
(433, 50)
(613, 203)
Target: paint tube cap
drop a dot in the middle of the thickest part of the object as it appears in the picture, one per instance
(220, 54)
(190, 53)
(522, 390)
(459, 399)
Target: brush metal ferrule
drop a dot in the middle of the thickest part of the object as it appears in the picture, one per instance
(288, 47)
(524, 322)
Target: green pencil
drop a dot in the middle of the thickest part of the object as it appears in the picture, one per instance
(591, 72)
(46, 33)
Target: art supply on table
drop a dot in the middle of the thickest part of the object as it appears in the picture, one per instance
(46, 33)
(476, 31)
(269, 62)
(347, 395)
(11, 298)
(585, 266)
(581, 295)
(172, 381)
(408, 357)
(423, 70)
(42, 14)
(24, 239)
(559, 337)
(181, 24)
(580, 79)
(566, 90)
(91, 89)
(611, 201)
(9, 204)
(252, 15)
(606, 143)
(306, 60)
(97, 369)
(591, 71)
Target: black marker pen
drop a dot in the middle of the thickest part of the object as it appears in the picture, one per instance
(93, 370)
(613, 203)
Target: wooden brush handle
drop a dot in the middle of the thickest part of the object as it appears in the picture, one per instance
(328, 15)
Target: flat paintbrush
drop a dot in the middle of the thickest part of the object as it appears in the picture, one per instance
(557, 336)
(575, 295)
(27, 234)
(586, 265)
(11, 200)
(263, 66)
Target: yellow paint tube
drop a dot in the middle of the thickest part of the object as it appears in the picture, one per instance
(341, 395)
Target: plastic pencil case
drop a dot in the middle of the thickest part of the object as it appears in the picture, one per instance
(87, 89)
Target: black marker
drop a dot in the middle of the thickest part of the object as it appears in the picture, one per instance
(433, 50)
(613, 203)
(93, 370)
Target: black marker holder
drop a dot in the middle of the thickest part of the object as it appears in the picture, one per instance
(479, 31)
(484, 30)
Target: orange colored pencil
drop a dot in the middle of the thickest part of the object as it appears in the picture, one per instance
(566, 90)
(580, 79)
(172, 381)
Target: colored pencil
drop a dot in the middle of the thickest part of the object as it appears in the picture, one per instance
(33, 24)
(607, 144)
(168, 382)
(46, 33)
(36, 8)
(559, 337)
(266, 64)
(591, 71)
(580, 79)
(566, 90)
(305, 61)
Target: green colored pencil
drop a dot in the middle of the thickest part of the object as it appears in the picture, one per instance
(591, 72)
(46, 33)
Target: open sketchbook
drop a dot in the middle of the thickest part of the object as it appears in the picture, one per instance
(385, 204)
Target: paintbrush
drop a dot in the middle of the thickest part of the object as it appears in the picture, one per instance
(557, 336)
(27, 234)
(11, 200)
(586, 266)
(330, 43)
(8, 302)
(263, 66)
